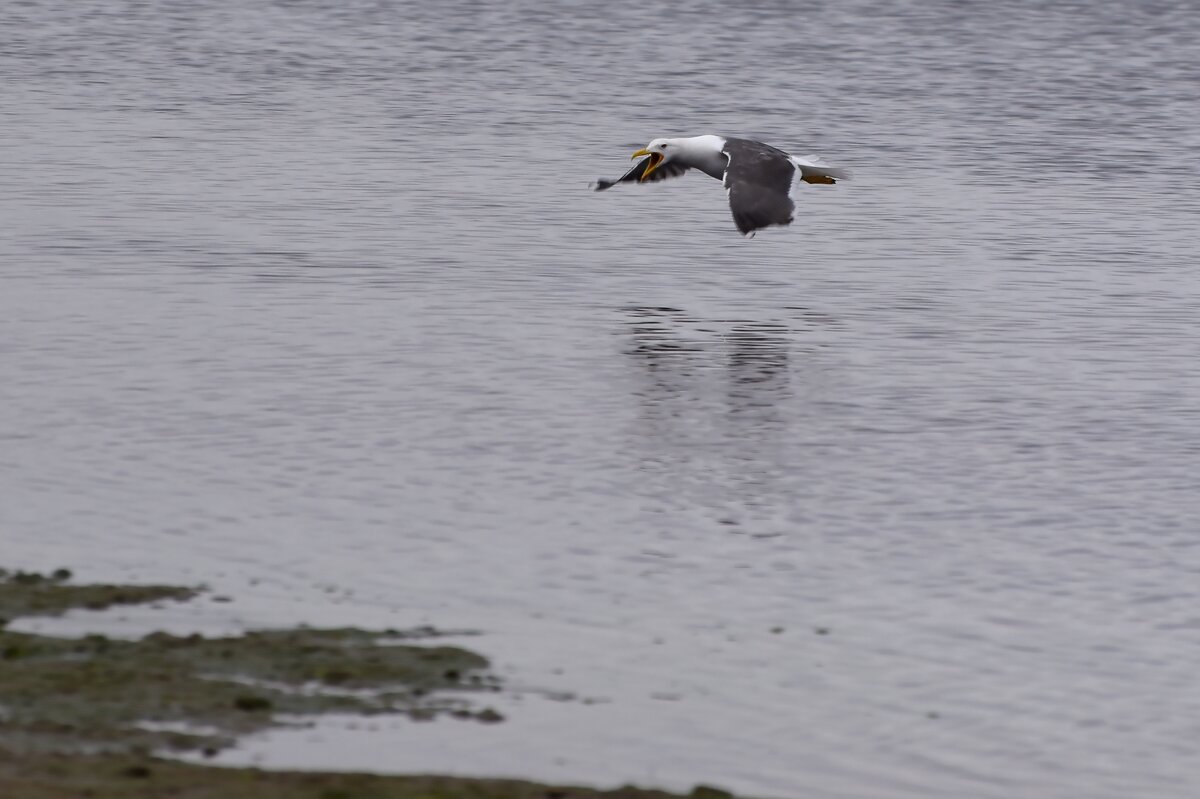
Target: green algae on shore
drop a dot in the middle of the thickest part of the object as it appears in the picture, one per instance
(110, 694)
(101, 694)
(49, 776)
(32, 594)
(82, 716)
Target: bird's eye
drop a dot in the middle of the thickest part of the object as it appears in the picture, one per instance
(664, 146)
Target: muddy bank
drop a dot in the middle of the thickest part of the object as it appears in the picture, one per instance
(139, 777)
(98, 716)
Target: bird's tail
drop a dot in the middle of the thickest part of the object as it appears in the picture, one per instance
(813, 171)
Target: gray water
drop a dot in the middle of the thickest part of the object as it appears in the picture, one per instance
(311, 301)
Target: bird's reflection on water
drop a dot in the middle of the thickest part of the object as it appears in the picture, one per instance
(680, 352)
(713, 404)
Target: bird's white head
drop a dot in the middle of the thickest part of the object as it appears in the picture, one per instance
(660, 151)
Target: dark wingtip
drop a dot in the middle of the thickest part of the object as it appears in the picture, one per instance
(601, 184)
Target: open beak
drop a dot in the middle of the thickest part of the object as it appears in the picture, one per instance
(656, 160)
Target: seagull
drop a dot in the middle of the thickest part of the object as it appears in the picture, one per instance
(759, 179)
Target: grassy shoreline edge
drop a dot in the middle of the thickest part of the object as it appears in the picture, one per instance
(85, 717)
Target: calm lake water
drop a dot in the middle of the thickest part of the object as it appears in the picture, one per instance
(310, 301)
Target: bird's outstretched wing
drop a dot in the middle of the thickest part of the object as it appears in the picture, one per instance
(670, 169)
(758, 180)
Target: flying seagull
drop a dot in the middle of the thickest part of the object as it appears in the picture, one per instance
(759, 179)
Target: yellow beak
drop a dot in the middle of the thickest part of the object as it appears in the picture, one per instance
(656, 160)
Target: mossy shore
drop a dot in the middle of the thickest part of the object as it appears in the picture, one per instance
(134, 777)
(97, 717)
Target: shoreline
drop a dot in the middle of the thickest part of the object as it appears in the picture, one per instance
(101, 717)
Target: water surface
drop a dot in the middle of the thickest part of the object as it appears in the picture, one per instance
(311, 301)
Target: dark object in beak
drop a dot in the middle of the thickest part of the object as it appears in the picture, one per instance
(656, 160)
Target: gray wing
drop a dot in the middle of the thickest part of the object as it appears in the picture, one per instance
(670, 169)
(758, 180)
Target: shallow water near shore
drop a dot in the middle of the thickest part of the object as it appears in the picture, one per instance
(311, 302)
